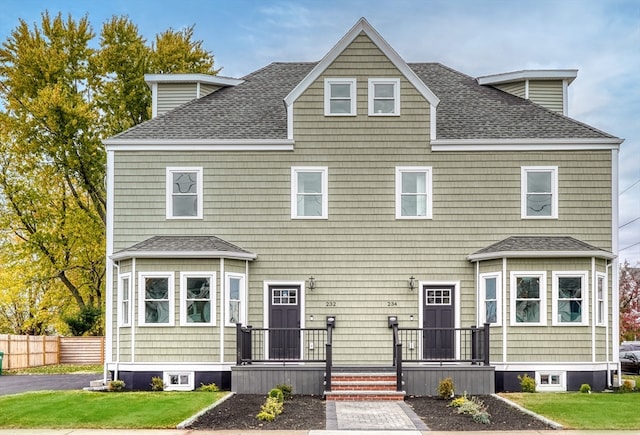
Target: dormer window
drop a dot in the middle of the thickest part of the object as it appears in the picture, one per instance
(384, 97)
(340, 97)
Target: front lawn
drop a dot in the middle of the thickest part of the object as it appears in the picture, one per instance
(83, 409)
(584, 411)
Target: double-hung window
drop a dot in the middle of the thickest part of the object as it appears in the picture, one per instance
(569, 297)
(235, 295)
(491, 311)
(413, 193)
(184, 193)
(528, 298)
(339, 97)
(384, 97)
(309, 193)
(539, 192)
(197, 298)
(124, 299)
(156, 299)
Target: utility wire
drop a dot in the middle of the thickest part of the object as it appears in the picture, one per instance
(630, 222)
(630, 246)
(637, 181)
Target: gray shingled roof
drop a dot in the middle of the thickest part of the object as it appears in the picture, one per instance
(255, 110)
(533, 246)
(184, 246)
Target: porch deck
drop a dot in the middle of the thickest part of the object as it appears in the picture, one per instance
(413, 374)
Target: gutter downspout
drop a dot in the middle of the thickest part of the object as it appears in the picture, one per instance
(117, 361)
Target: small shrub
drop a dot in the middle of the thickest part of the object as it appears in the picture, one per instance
(459, 401)
(277, 394)
(210, 388)
(116, 385)
(469, 407)
(157, 384)
(287, 390)
(527, 384)
(482, 417)
(626, 387)
(585, 388)
(446, 388)
(270, 410)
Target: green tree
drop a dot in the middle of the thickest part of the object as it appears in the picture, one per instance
(59, 98)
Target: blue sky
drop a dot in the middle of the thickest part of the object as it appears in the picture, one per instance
(600, 38)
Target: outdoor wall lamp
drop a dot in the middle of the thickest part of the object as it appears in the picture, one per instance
(311, 283)
(412, 283)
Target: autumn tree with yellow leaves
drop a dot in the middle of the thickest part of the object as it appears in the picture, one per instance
(61, 93)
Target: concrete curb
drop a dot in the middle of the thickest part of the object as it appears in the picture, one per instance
(190, 420)
(531, 413)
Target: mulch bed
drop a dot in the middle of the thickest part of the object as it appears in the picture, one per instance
(308, 413)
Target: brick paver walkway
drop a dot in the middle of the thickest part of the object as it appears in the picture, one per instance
(396, 415)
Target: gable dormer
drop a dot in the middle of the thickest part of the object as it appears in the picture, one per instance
(547, 88)
(169, 91)
(361, 50)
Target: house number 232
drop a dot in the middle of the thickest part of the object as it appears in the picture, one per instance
(330, 304)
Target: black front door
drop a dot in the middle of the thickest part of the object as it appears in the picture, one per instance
(284, 322)
(439, 313)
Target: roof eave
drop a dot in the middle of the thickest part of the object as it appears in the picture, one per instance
(533, 74)
(207, 79)
(531, 144)
(540, 254)
(126, 255)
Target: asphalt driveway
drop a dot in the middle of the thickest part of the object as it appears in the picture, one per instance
(15, 384)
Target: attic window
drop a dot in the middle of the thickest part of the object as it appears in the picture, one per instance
(340, 97)
(384, 97)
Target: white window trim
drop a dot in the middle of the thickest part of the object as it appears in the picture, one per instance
(396, 95)
(324, 171)
(605, 300)
(183, 297)
(554, 190)
(327, 95)
(141, 292)
(189, 386)
(543, 297)
(562, 386)
(243, 297)
(428, 170)
(483, 297)
(169, 191)
(585, 297)
(121, 321)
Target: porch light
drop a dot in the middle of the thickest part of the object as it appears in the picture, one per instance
(311, 283)
(412, 283)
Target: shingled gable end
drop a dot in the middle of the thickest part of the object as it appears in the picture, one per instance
(323, 202)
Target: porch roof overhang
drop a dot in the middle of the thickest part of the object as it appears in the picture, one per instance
(539, 247)
(184, 247)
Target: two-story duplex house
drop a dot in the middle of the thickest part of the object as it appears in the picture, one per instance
(356, 189)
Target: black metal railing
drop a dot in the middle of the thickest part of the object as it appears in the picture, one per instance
(280, 344)
(443, 345)
(397, 352)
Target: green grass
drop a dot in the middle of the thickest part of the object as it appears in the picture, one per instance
(83, 409)
(57, 369)
(598, 411)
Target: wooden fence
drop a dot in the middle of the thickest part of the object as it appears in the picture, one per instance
(23, 351)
